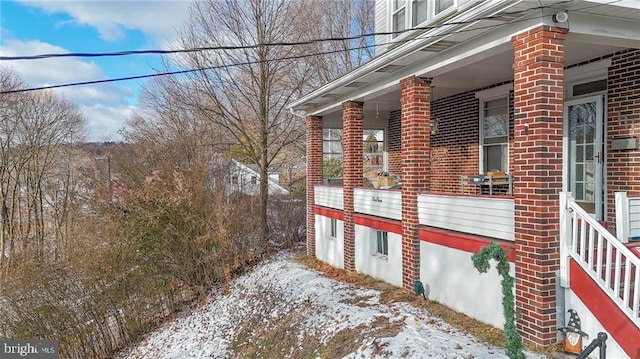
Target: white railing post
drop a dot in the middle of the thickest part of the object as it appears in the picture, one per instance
(622, 217)
(565, 239)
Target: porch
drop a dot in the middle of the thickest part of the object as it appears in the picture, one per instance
(546, 104)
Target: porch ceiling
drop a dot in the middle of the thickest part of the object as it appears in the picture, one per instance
(474, 57)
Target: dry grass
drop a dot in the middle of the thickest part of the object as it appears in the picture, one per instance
(391, 294)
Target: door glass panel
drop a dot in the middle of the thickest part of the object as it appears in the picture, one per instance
(582, 132)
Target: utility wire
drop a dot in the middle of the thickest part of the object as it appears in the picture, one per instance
(180, 72)
(245, 47)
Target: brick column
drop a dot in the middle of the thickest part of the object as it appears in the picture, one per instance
(314, 176)
(352, 172)
(537, 168)
(415, 99)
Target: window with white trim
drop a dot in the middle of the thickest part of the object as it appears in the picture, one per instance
(332, 152)
(419, 12)
(382, 243)
(494, 135)
(334, 228)
(398, 16)
(373, 148)
(441, 6)
(408, 14)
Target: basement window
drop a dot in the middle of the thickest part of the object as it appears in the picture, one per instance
(382, 243)
(334, 228)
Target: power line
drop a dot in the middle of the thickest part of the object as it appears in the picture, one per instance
(247, 47)
(180, 72)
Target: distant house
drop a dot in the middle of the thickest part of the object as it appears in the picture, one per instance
(515, 122)
(244, 179)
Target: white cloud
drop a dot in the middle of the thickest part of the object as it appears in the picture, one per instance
(158, 20)
(106, 122)
(105, 106)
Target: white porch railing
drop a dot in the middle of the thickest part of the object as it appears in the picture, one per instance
(480, 215)
(329, 196)
(601, 255)
(378, 202)
(627, 217)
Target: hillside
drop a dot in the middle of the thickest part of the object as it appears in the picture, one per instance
(284, 309)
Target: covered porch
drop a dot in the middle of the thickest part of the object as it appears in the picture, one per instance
(517, 95)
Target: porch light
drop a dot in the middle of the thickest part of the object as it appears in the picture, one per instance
(560, 17)
(433, 123)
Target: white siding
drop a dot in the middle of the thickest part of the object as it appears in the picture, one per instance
(329, 197)
(381, 24)
(634, 217)
(329, 250)
(381, 203)
(450, 278)
(389, 268)
(485, 216)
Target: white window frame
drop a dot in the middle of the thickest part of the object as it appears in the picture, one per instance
(408, 7)
(402, 6)
(495, 93)
(382, 244)
(444, 11)
(382, 141)
(334, 228)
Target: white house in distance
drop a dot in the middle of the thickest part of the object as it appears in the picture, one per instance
(513, 122)
(246, 180)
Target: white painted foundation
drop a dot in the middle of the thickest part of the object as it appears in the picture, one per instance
(450, 278)
(328, 249)
(389, 268)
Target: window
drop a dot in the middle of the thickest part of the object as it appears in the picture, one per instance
(373, 147)
(334, 228)
(419, 12)
(332, 153)
(443, 5)
(254, 180)
(382, 247)
(398, 16)
(494, 127)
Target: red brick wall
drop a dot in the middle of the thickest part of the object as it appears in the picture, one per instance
(455, 146)
(537, 169)
(394, 156)
(352, 122)
(415, 101)
(314, 176)
(623, 120)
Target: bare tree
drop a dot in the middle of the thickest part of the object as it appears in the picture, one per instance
(350, 25)
(244, 92)
(240, 93)
(35, 130)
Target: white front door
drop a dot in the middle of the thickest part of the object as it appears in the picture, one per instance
(584, 153)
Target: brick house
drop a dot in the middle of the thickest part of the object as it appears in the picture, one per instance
(513, 122)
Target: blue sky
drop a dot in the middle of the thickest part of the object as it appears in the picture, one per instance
(31, 27)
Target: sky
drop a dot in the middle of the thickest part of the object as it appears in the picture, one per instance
(316, 306)
(32, 27)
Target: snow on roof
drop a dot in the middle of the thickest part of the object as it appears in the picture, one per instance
(327, 306)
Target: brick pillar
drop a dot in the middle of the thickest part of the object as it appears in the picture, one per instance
(314, 176)
(415, 102)
(352, 172)
(537, 168)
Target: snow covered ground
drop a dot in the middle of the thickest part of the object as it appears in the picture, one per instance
(314, 307)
